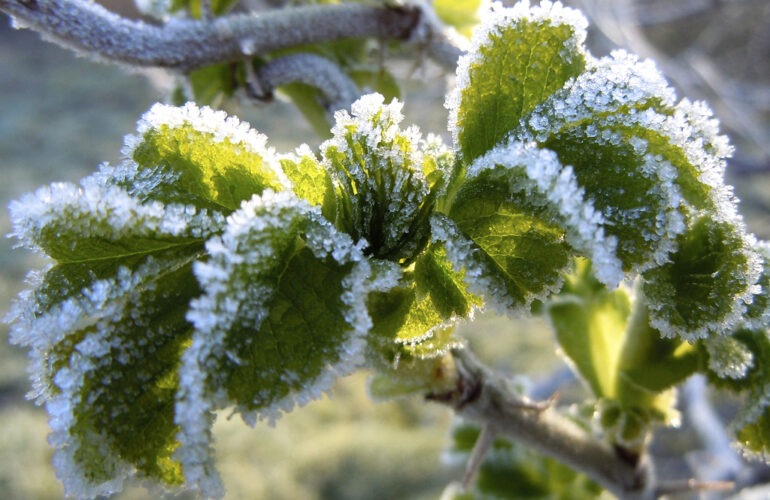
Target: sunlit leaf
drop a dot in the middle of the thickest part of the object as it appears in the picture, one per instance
(519, 56)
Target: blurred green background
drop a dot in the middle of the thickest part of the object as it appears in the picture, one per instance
(60, 116)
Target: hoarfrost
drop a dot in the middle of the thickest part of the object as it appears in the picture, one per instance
(250, 246)
(496, 18)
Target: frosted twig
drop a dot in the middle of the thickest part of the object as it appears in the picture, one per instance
(337, 87)
(483, 443)
(687, 485)
(486, 397)
(725, 462)
(186, 44)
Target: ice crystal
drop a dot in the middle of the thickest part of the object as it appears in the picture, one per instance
(273, 249)
(378, 169)
(205, 271)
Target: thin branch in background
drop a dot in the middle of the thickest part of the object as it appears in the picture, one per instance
(185, 44)
(338, 88)
(480, 449)
(724, 463)
(691, 485)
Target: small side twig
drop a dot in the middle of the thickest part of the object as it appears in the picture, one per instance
(488, 398)
(337, 87)
(692, 485)
(483, 443)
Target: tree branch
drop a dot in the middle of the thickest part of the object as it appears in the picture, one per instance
(487, 398)
(336, 86)
(188, 44)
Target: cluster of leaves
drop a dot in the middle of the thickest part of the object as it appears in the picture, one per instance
(206, 271)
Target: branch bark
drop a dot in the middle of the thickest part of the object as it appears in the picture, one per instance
(487, 398)
(189, 44)
(335, 85)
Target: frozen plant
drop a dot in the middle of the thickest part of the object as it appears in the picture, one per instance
(206, 271)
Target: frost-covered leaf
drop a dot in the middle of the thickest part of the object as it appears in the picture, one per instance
(93, 232)
(283, 314)
(414, 320)
(526, 217)
(752, 424)
(217, 161)
(758, 313)
(96, 220)
(705, 287)
(753, 434)
(519, 56)
(735, 362)
(383, 194)
(728, 357)
(511, 471)
(310, 181)
(609, 169)
(108, 377)
(105, 323)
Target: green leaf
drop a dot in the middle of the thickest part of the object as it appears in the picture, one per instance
(283, 314)
(511, 471)
(211, 83)
(383, 195)
(519, 57)
(463, 15)
(704, 288)
(589, 322)
(445, 287)
(623, 360)
(418, 377)
(217, 161)
(218, 7)
(378, 80)
(308, 100)
(114, 381)
(526, 217)
(310, 181)
(414, 320)
(514, 240)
